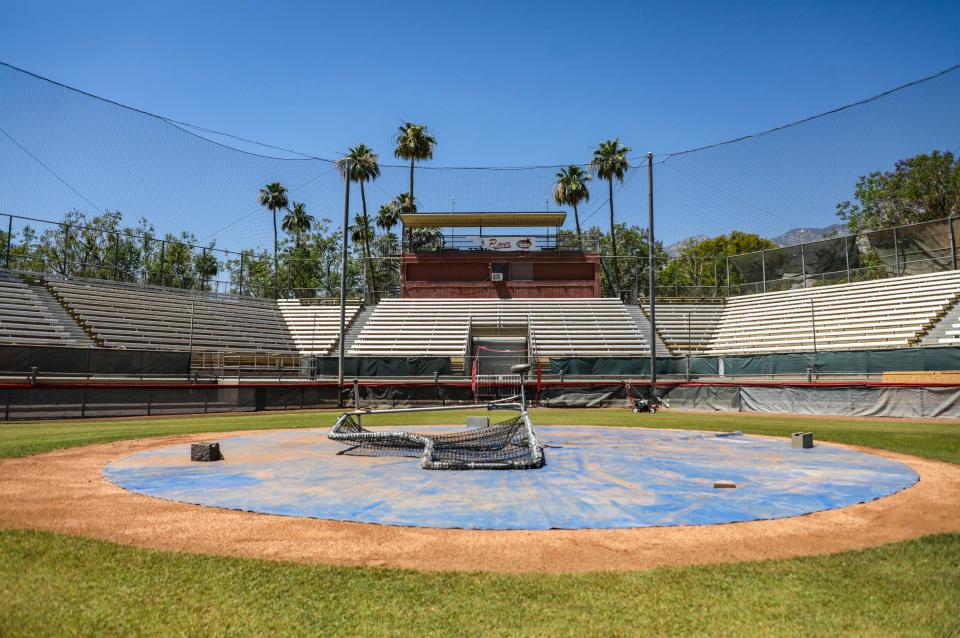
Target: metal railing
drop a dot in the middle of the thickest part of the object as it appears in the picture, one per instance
(502, 243)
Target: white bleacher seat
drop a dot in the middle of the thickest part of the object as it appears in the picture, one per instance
(315, 327)
(440, 327)
(686, 327)
(23, 318)
(886, 313)
(141, 317)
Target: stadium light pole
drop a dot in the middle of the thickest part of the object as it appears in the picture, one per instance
(653, 277)
(343, 277)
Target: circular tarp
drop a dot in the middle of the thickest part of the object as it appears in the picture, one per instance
(595, 477)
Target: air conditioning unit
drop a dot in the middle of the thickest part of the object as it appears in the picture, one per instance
(496, 276)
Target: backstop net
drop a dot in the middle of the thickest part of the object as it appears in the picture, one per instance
(92, 188)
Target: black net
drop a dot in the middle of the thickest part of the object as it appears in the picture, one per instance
(916, 249)
(509, 444)
(91, 188)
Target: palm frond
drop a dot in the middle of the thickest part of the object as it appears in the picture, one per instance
(414, 142)
(610, 160)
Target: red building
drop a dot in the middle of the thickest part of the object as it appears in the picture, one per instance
(505, 265)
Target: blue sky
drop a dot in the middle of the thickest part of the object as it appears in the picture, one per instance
(503, 83)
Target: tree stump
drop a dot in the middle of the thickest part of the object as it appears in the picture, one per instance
(205, 452)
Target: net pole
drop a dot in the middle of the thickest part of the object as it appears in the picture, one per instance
(653, 275)
(343, 278)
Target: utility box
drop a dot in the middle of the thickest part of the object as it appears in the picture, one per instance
(802, 440)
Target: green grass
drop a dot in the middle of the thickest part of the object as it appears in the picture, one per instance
(931, 439)
(59, 585)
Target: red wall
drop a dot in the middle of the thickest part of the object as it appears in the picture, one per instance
(466, 274)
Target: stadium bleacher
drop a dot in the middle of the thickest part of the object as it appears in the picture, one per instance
(886, 313)
(315, 327)
(25, 320)
(131, 316)
(441, 327)
(686, 327)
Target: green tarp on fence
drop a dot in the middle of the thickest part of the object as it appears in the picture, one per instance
(834, 361)
(51, 359)
(384, 366)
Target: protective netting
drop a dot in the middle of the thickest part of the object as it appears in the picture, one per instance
(507, 445)
(93, 188)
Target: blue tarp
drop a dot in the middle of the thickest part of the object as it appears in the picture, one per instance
(595, 477)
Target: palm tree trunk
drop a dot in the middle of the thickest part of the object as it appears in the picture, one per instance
(615, 284)
(576, 218)
(366, 245)
(411, 180)
(412, 201)
(276, 261)
(295, 262)
(328, 262)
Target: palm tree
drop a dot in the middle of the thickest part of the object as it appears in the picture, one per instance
(273, 196)
(610, 162)
(571, 189)
(414, 144)
(405, 203)
(364, 167)
(360, 231)
(389, 214)
(297, 221)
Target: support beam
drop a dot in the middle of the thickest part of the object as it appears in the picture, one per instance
(343, 278)
(651, 245)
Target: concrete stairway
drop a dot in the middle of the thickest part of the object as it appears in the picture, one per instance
(643, 324)
(353, 330)
(950, 321)
(59, 316)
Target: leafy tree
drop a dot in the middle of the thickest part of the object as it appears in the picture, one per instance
(258, 275)
(176, 262)
(922, 188)
(610, 162)
(570, 190)
(273, 197)
(634, 249)
(207, 266)
(414, 143)
(325, 247)
(701, 264)
(426, 239)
